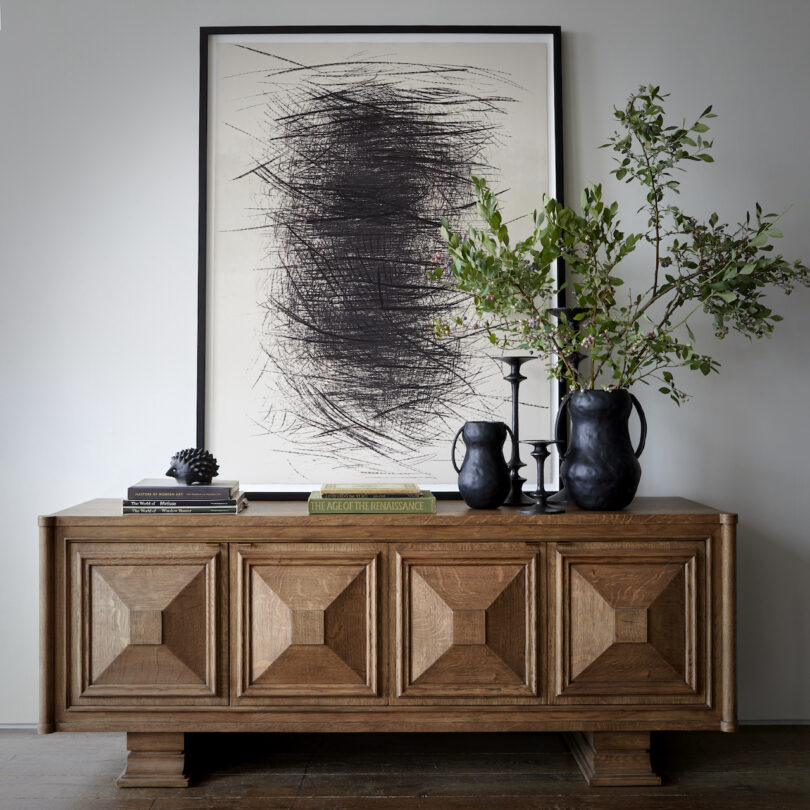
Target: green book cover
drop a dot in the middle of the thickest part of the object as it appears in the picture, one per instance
(425, 504)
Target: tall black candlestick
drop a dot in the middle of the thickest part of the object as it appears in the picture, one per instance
(569, 313)
(516, 495)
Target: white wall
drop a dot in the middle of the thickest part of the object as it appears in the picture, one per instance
(98, 195)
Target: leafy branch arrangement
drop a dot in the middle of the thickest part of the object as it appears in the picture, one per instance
(697, 265)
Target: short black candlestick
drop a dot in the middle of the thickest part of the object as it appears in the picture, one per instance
(516, 496)
(540, 453)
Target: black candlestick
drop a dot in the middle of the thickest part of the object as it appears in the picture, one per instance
(540, 453)
(516, 496)
(569, 313)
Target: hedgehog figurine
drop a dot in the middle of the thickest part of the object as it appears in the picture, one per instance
(193, 466)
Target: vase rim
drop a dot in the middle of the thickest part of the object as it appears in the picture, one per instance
(601, 391)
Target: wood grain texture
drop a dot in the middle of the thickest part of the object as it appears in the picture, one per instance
(631, 620)
(146, 627)
(47, 626)
(306, 623)
(291, 512)
(323, 715)
(613, 759)
(154, 760)
(728, 628)
(466, 625)
(146, 623)
(465, 621)
(630, 626)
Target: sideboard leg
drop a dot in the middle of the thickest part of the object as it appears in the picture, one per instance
(154, 760)
(613, 757)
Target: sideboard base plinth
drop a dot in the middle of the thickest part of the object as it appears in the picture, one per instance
(608, 758)
(154, 760)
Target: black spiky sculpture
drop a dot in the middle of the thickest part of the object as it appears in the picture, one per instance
(193, 466)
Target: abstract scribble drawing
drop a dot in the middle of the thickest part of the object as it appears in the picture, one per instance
(357, 161)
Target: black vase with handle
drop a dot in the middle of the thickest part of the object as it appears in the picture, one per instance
(600, 468)
(483, 478)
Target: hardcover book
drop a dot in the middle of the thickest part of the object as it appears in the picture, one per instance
(424, 504)
(168, 489)
(390, 490)
(237, 501)
(184, 510)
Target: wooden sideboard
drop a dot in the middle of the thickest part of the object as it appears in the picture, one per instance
(603, 625)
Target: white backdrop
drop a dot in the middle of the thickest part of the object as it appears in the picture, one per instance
(98, 248)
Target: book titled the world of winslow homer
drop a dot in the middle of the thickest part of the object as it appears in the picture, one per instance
(165, 496)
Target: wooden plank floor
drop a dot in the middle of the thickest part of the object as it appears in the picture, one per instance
(758, 768)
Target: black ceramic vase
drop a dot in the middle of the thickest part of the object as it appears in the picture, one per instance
(483, 479)
(600, 468)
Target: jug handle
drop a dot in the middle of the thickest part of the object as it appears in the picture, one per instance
(455, 440)
(453, 449)
(643, 439)
(560, 433)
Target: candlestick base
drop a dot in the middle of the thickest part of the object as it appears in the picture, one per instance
(540, 453)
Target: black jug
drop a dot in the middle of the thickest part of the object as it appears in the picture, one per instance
(483, 479)
(600, 469)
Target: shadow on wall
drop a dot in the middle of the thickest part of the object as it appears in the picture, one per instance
(773, 621)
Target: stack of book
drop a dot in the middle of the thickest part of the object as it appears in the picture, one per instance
(165, 496)
(371, 499)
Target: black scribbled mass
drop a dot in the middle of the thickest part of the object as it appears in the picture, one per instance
(360, 160)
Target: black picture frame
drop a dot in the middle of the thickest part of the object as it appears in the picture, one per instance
(556, 175)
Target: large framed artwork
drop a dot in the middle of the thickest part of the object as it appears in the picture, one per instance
(327, 158)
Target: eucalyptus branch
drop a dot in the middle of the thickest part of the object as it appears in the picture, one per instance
(724, 272)
(656, 215)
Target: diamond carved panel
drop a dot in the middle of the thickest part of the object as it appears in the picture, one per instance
(308, 624)
(145, 623)
(466, 628)
(628, 622)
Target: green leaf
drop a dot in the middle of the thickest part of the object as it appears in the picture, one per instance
(728, 297)
(706, 158)
(698, 127)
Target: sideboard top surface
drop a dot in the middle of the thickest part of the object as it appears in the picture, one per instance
(278, 514)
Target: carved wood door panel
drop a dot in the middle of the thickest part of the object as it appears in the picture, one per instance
(146, 624)
(305, 623)
(466, 624)
(629, 622)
